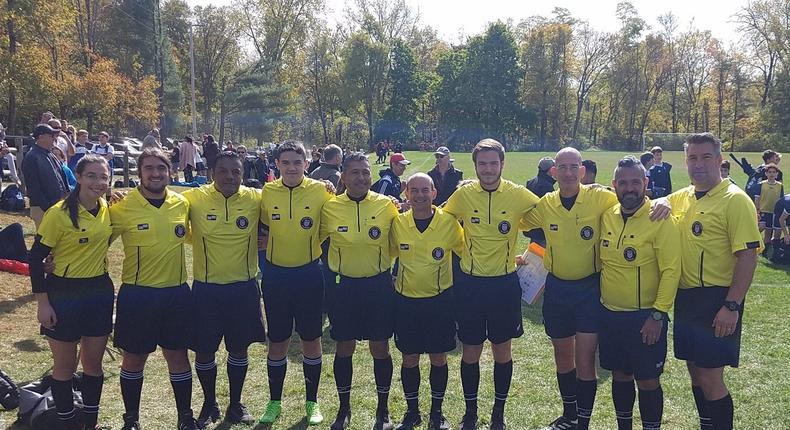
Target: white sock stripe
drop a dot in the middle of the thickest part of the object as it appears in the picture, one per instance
(239, 362)
(274, 363)
(410, 396)
(624, 414)
(131, 375)
(311, 361)
(650, 425)
(382, 389)
(569, 399)
(179, 377)
(583, 413)
(498, 396)
(211, 365)
(67, 415)
(344, 390)
(90, 408)
(470, 396)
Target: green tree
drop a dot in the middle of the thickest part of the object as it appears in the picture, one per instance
(365, 66)
(407, 88)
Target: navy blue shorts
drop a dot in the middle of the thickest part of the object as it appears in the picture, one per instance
(621, 347)
(293, 296)
(571, 307)
(83, 307)
(694, 336)
(147, 317)
(362, 309)
(487, 308)
(230, 311)
(770, 221)
(425, 325)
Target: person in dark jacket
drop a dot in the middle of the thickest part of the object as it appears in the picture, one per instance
(261, 167)
(541, 185)
(390, 184)
(45, 179)
(330, 167)
(210, 151)
(659, 174)
(445, 176)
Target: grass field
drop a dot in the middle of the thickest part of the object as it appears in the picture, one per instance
(759, 386)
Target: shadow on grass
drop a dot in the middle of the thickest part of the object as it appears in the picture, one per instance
(8, 306)
(781, 267)
(28, 345)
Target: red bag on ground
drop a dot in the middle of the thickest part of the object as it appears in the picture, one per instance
(14, 266)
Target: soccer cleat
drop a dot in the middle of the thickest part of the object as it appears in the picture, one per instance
(562, 423)
(238, 413)
(273, 409)
(187, 422)
(343, 420)
(209, 414)
(469, 422)
(438, 422)
(130, 422)
(313, 413)
(383, 421)
(410, 420)
(497, 423)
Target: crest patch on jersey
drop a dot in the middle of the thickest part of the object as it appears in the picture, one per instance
(587, 232)
(504, 227)
(696, 228)
(306, 223)
(629, 254)
(437, 253)
(242, 222)
(180, 230)
(374, 233)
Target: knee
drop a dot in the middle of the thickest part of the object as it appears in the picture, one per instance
(618, 376)
(177, 360)
(312, 348)
(204, 357)
(438, 360)
(648, 384)
(345, 349)
(278, 350)
(411, 360)
(502, 352)
(133, 362)
(379, 350)
(472, 353)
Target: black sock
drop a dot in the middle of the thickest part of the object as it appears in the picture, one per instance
(470, 381)
(182, 388)
(651, 408)
(207, 375)
(131, 389)
(702, 408)
(721, 412)
(567, 384)
(344, 372)
(503, 374)
(276, 370)
(91, 397)
(623, 397)
(410, 378)
(63, 396)
(311, 367)
(438, 377)
(237, 373)
(585, 399)
(382, 371)
(777, 248)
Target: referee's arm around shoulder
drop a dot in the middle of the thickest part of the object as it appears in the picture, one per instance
(666, 245)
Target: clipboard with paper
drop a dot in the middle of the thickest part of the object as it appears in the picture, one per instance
(532, 274)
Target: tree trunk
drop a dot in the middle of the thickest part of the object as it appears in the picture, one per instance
(12, 41)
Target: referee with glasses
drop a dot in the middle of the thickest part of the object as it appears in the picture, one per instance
(718, 249)
(423, 240)
(361, 307)
(486, 289)
(640, 270)
(293, 284)
(223, 219)
(154, 305)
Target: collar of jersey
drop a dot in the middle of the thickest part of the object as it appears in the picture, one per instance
(499, 189)
(303, 184)
(410, 217)
(81, 209)
(554, 197)
(345, 197)
(212, 190)
(137, 195)
(639, 212)
(718, 189)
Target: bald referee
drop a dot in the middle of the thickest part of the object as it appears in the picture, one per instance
(719, 244)
(154, 305)
(357, 224)
(223, 218)
(640, 270)
(293, 285)
(486, 289)
(423, 239)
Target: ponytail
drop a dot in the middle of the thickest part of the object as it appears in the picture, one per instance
(72, 206)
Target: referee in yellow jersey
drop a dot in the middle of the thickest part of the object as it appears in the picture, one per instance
(486, 289)
(223, 218)
(293, 284)
(361, 306)
(75, 301)
(640, 270)
(154, 303)
(423, 240)
(719, 244)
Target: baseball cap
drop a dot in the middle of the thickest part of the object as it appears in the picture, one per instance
(443, 151)
(545, 163)
(399, 158)
(656, 149)
(43, 129)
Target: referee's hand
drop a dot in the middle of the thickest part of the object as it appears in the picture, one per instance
(725, 322)
(651, 331)
(46, 315)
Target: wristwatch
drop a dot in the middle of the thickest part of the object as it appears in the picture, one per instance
(657, 315)
(732, 306)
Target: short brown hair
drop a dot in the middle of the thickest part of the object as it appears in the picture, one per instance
(153, 152)
(105, 134)
(700, 138)
(488, 145)
(82, 132)
(769, 154)
(771, 166)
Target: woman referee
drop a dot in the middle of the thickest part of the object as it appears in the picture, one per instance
(75, 301)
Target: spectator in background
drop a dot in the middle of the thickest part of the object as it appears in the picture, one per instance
(45, 117)
(45, 179)
(261, 167)
(246, 164)
(151, 140)
(725, 171)
(70, 178)
(80, 148)
(590, 172)
(659, 174)
(61, 140)
(175, 160)
(330, 168)
(445, 176)
(7, 160)
(210, 151)
(540, 185)
(390, 183)
(188, 156)
(647, 161)
(105, 149)
(315, 162)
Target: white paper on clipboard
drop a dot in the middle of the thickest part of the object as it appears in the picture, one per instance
(532, 275)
